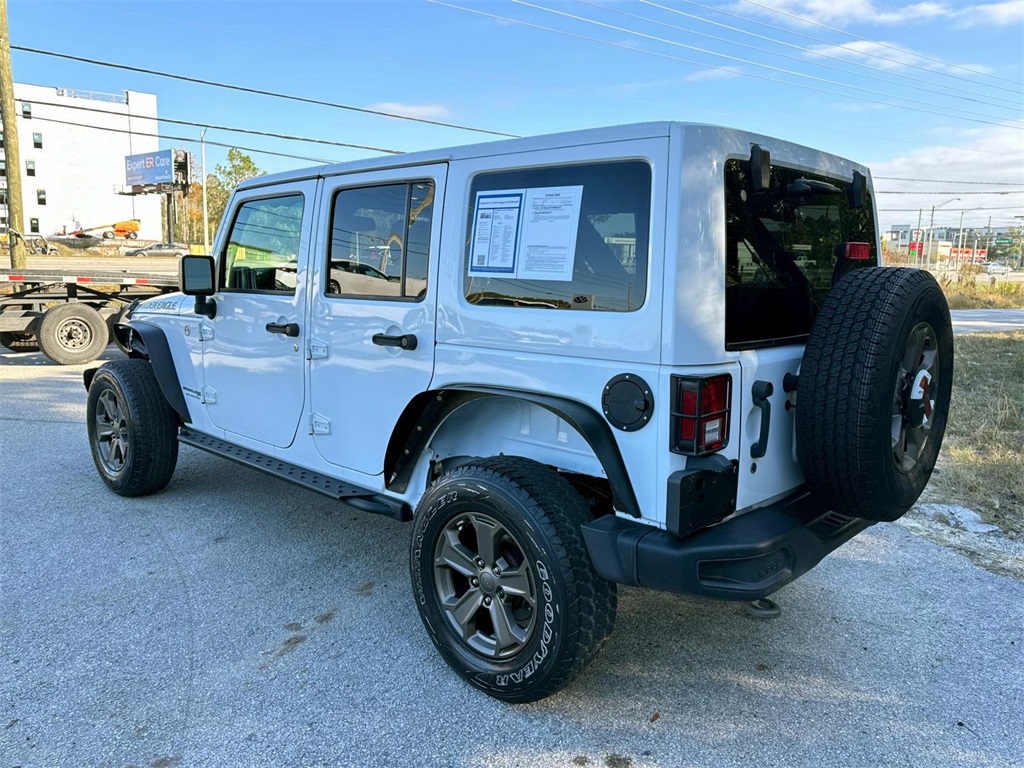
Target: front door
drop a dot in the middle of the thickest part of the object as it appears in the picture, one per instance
(254, 349)
(372, 321)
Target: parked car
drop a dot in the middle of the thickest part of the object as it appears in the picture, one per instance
(660, 355)
(159, 249)
(995, 268)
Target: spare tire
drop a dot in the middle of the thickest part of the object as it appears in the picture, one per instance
(874, 391)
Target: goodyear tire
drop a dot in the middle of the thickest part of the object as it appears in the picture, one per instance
(503, 581)
(72, 334)
(874, 391)
(19, 341)
(133, 432)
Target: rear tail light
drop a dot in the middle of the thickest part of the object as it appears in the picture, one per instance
(700, 413)
(858, 251)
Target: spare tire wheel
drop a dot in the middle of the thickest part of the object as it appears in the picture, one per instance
(874, 391)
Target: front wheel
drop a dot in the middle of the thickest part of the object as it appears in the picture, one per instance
(503, 580)
(133, 432)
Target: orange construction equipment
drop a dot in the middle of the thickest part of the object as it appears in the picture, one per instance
(128, 229)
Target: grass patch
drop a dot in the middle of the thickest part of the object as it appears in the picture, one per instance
(981, 465)
(971, 290)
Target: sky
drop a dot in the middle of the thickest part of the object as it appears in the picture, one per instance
(931, 91)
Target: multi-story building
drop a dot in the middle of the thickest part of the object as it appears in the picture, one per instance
(73, 144)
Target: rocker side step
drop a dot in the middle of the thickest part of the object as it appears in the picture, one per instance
(353, 495)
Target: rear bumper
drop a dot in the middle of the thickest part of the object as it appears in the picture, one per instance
(745, 558)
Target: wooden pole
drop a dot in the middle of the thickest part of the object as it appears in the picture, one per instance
(15, 212)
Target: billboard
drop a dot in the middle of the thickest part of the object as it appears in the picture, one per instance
(149, 168)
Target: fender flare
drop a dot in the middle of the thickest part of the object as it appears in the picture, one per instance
(426, 412)
(148, 341)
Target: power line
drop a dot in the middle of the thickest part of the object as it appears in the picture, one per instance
(947, 192)
(752, 63)
(697, 63)
(874, 42)
(814, 52)
(252, 131)
(948, 181)
(259, 92)
(237, 32)
(189, 139)
(953, 210)
(832, 44)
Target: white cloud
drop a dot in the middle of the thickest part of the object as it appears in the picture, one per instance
(889, 56)
(426, 111)
(841, 13)
(988, 155)
(998, 14)
(721, 73)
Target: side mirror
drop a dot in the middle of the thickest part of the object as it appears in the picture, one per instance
(196, 277)
(760, 168)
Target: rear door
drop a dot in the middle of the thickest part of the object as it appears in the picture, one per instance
(372, 332)
(783, 250)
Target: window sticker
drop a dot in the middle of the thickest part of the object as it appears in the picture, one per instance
(496, 232)
(529, 234)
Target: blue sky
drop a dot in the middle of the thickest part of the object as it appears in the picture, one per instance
(922, 90)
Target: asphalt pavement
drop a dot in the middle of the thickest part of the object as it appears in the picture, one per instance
(987, 320)
(233, 620)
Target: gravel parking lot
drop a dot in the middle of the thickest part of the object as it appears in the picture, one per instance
(232, 620)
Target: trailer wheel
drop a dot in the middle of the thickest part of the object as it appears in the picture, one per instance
(72, 334)
(19, 341)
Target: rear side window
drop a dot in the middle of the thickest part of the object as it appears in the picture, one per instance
(263, 248)
(782, 250)
(565, 237)
(380, 241)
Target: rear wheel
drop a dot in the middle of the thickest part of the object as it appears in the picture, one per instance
(132, 429)
(503, 580)
(72, 334)
(875, 386)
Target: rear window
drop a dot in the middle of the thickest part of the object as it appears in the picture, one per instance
(782, 247)
(562, 237)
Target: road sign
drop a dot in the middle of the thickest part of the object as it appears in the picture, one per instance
(1004, 241)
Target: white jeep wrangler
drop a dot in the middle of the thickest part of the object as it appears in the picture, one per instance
(659, 355)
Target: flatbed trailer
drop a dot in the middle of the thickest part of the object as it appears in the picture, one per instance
(69, 314)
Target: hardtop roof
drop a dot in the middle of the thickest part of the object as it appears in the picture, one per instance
(617, 133)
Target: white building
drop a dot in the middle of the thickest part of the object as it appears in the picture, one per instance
(73, 144)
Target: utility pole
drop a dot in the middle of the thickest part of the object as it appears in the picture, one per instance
(206, 208)
(917, 256)
(15, 213)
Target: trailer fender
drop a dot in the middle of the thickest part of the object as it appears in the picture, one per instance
(147, 341)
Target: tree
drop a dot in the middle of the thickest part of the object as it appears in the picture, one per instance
(223, 180)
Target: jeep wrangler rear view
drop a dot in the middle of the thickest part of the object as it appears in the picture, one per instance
(660, 355)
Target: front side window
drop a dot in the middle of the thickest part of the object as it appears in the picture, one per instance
(783, 245)
(561, 237)
(380, 241)
(262, 254)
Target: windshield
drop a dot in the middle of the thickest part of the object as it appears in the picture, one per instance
(782, 247)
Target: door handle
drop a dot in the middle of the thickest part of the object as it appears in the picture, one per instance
(406, 341)
(760, 393)
(288, 329)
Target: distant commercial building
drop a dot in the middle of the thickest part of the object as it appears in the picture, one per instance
(73, 144)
